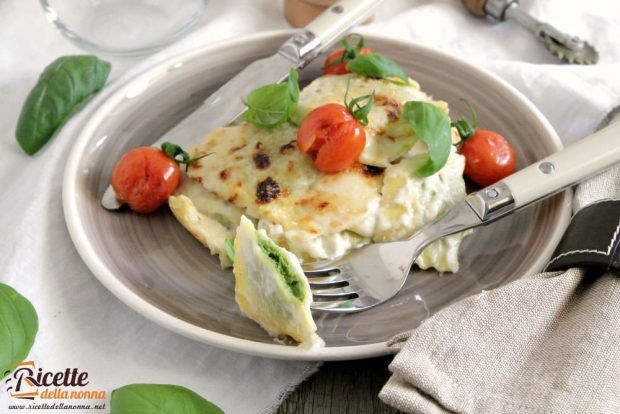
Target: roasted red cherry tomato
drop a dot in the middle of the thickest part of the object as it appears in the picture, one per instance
(334, 134)
(332, 68)
(488, 157)
(144, 178)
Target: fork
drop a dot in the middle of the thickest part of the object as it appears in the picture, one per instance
(373, 274)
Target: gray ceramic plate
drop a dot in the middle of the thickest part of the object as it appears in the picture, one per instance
(153, 265)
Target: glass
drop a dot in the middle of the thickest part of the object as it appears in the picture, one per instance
(123, 27)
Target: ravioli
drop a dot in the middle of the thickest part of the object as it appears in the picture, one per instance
(271, 288)
(387, 137)
(261, 173)
(207, 217)
(408, 202)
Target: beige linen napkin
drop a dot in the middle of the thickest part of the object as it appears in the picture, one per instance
(548, 343)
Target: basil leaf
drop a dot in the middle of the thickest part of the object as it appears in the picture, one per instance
(359, 111)
(293, 85)
(62, 88)
(464, 126)
(18, 327)
(349, 51)
(174, 151)
(273, 104)
(377, 66)
(159, 399)
(356, 106)
(229, 245)
(432, 126)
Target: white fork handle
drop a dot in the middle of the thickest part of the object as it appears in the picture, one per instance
(567, 167)
(340, 17)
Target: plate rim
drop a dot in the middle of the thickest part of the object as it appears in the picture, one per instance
(97, 109)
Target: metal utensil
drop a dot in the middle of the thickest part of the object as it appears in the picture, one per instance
(567, 48)
(226, 105)
(375, 273)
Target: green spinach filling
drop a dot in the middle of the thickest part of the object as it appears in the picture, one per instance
(284, 268)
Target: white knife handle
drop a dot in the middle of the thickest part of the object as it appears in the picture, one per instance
(339, 18)
(548, 176)
(567, 167)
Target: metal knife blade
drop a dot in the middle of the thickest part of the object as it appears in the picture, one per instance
(226, 104)
(221, 108)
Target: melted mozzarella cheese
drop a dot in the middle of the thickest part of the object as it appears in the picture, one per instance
(443, 254)
(311, 247)
(263, 174)
(408, 202)
(210, 232)
(387, 136)
(315, 215)
(207, 217)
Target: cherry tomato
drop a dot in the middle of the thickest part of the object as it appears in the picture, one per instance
(488, 157)
(144, 178)
(341, 68)
(334, 134)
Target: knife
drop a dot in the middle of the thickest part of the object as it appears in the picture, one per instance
(226, 104)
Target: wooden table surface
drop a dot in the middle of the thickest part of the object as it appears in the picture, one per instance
(342, 387)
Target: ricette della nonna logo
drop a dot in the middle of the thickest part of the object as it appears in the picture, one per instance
(45, 389)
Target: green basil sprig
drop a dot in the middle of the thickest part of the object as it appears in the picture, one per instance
(273, 104)
(432, 126)
(375, 65)
(19, 324)
(175, 151)
(359, 110)
(349, 52)
(464, 126)
(159, 399)
(63, 87)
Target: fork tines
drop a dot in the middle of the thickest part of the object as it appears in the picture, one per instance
(330, 288)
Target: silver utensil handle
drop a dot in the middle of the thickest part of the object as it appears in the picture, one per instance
(326, 29)
(514, 12)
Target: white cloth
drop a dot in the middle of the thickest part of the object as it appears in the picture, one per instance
(544, 343)
(573, 98)
(547, 342)
(83, 325)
